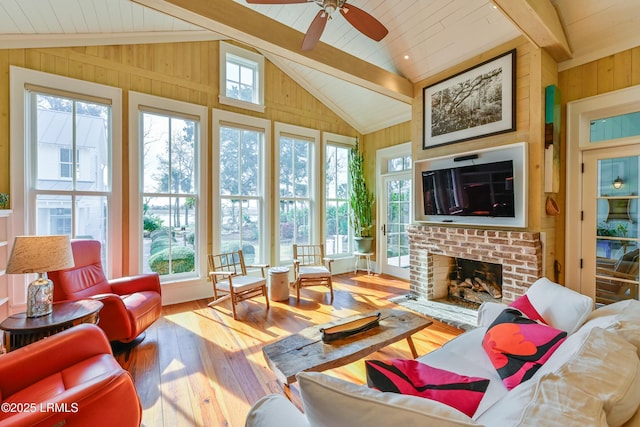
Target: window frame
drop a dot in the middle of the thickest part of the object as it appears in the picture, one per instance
(348, 143)
(220, 118)
(138, 104)
(313, 136)
(248, 57)
(22, 198)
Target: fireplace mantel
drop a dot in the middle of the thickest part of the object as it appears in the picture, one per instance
(519, 253)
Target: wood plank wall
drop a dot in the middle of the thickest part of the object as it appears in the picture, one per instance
(614, 72)
(182, 71)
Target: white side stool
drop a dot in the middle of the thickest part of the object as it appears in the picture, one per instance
(358, 256)
(279, 284)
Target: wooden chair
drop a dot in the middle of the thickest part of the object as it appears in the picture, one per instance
(228, 273)
(311, 268)
(617, 280)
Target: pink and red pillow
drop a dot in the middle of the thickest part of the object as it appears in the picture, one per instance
(518, 346)
(524, 305)
(414, 378)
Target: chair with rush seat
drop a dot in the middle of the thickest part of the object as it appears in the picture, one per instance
(228, 273)
(311, 268)
(131, 304)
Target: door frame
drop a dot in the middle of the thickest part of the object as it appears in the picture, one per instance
(580, 113)
(382, 156)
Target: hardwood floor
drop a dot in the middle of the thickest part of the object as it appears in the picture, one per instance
(199, 367)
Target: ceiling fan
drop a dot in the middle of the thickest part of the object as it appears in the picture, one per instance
(361, 20)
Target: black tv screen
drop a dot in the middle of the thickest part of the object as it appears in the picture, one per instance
(484, 190)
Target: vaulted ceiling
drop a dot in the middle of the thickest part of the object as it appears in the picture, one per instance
(368, 83)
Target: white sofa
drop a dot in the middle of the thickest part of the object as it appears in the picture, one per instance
(592, 379)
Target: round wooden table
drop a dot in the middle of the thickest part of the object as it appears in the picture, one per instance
(20, 330)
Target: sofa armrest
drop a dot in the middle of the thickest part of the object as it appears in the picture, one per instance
(50, 355)
(274, 410)
(132, 284)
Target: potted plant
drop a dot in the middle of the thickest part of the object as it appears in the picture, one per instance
(361, 202)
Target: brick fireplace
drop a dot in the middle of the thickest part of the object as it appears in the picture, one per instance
(432, 247)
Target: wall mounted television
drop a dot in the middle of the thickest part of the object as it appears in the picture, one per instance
(483, 187)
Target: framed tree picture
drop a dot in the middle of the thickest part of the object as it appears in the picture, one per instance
(477, 102)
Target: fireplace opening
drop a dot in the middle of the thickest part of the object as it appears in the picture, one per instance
(474, 282)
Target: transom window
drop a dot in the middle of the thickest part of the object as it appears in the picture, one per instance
(241, 78)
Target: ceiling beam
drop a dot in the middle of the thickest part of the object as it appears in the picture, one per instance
(241, 23)
(539, 22)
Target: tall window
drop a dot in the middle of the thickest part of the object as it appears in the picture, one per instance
(241, 177)
(295, 193)
(337, 195)
(167, 190)
(241, 78)
(69, 203)
(169, 197)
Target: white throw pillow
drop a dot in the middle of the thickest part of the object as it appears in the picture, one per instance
(607, 367)
(560, 307)
(549, 402)
(331, 402)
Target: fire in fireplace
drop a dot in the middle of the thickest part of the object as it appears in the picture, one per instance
(475, 282)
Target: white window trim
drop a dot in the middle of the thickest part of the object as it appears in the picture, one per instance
(19, 77)
(579, 116)
(136, 101)
(218, 119)
(348, 142)
(315, 184)
(243, 53)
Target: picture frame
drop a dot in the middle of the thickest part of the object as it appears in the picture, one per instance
(476, 102)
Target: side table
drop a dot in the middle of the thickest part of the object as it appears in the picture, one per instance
(20, 330)
(279, 284)
(366, 256)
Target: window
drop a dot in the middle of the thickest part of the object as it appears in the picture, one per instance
(241, 78)
(77, 123)
(337, 235)
(239, 187)
(167, 201)
(296, 188)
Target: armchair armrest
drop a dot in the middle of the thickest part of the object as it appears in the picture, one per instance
(260, 266)
(51, 355)
(132, 284)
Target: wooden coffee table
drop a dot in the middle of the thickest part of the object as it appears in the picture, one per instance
(305, 351)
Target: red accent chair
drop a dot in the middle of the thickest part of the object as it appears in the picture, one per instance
(131, 304)
(70, 379)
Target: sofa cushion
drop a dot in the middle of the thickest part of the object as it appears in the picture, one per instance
(518, 346)
(607, 367)
(560, 307)
(275, 410)
(549, 402)
(329, 401)
(418, 379)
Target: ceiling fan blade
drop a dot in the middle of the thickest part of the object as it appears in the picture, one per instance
(363, 22)
(276, 1)
(315, 31)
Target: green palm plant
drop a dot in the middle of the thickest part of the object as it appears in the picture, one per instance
(360, 198)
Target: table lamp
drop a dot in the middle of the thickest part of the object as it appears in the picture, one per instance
(40, 254)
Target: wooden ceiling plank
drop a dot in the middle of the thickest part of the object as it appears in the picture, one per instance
(539, 21)
(240, 23)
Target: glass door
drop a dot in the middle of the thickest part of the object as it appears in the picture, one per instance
(395, 241)
(610, 243)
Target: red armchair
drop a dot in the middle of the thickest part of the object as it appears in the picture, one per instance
(131, 304)
(70, 379)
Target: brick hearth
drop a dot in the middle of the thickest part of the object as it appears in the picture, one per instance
(519, 253)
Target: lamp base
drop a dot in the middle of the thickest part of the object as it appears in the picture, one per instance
(40, 296)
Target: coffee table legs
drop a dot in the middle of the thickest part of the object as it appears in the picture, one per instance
(414, 353)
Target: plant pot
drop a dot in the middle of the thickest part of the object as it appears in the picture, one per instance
(363, 244)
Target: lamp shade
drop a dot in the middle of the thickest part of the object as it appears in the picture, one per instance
(40, 254)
